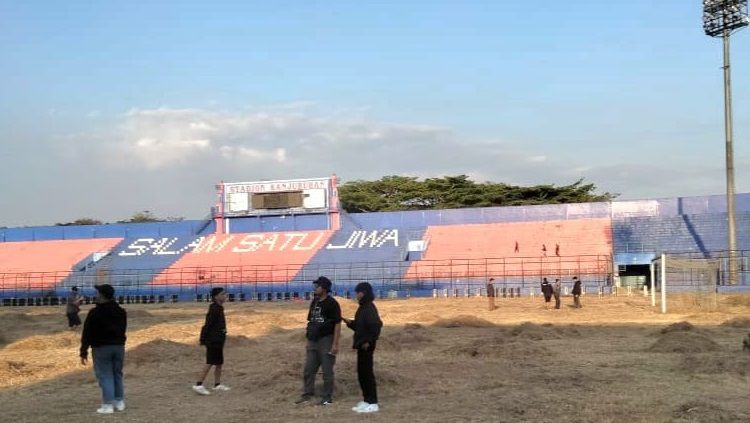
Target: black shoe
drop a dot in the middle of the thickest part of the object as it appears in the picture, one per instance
(303, 399)
(326, 402)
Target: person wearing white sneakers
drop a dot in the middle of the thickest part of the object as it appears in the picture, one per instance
(366, 326)
(104, 331)
(213, 335)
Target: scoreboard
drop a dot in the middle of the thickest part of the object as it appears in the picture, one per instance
(289, 196)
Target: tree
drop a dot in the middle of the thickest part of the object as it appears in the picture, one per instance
(147, 216)
(83, 221)
(393, 193)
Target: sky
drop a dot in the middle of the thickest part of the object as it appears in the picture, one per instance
(109, 108)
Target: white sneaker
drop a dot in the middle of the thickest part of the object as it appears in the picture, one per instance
(105, 409)
(369, 408)
(221, 387)
(359, 406)
(200, 389)
(120, 405)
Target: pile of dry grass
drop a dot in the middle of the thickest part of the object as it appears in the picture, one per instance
(737, 300)
(701, 411)
(499, 346)
(160, 351)
(139, 314)
(711, 364)
(46, 342)
(678, 327)
(412, 335)
(737, 322)
(463, 321)
(534, 332)
(12, 319)
(684, 342)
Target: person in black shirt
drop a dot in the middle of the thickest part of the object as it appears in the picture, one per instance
(366, 326)
(547, 292)
(576, 292)
(213, 335)
(72, 308)
(323, 332)
(104, 331)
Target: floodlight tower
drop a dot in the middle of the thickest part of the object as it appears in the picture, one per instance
(720, 19)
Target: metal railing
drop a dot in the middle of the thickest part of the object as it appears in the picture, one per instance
(415, 276)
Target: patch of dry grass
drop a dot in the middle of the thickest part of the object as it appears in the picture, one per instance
(441, 360)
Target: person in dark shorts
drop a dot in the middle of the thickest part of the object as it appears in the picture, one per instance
(547, 292)
(366, 326)
(213, 336)
(72, 308)
(322, 333)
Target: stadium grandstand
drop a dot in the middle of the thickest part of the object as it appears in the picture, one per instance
(267, 240)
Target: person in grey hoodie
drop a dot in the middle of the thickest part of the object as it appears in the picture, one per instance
(366, 326)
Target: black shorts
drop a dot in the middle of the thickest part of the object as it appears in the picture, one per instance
(547, 298)
(73, 319)
(215, 354)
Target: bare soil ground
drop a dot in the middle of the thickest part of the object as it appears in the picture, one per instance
(439, 360)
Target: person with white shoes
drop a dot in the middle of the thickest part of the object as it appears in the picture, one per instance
(104, 331)
(366, 326)
(213, 336)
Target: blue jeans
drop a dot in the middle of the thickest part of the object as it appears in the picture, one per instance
(108, 360)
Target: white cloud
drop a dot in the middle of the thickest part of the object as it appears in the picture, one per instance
(168, 160)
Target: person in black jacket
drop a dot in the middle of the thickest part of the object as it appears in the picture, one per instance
(547, 292)
(366, 326)
(576, 292)
(104, 331)
(213, 335)
(72, 308)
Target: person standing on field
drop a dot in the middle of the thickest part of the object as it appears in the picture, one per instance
(576, 292)
(556, 288)
(104, 331)
(213, 336)
(322, 333)
(72, 308)
(547, 292)
(366, 326)
(491, 293)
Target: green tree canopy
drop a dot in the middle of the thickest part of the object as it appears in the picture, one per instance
(81, 222)
(147, 216)
(394, 193)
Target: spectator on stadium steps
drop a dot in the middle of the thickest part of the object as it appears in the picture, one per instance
(516, 250)
(366, 326)
(556, 288)
(104, 331)
(576, 292)
(557, 250)
(213, 336)
(323, 332)
(544, 250)
(547, 292)
(491, 293)
(72, 308)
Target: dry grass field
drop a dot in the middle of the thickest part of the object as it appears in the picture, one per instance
(439, 360)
